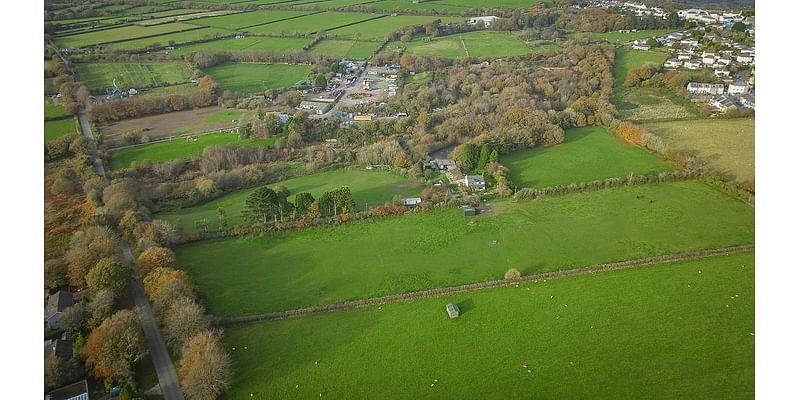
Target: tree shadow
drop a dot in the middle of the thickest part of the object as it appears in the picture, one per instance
(464, 306)
(532, 269)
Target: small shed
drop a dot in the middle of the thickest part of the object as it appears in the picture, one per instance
(452, 310)
(468, 211)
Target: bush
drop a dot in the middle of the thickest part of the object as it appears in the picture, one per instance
(512, 274)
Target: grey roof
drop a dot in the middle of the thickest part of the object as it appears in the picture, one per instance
(75, 391)
(58, 302)
(475, 179)
(59, 347)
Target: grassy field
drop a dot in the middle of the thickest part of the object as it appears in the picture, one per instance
(727, 145)
(241, 20)
(52, 111)
(179, 148)
(249, 43)
(345, 48)
(136, 75)
(474, 44)
(312, 23)
(696, 342)
(121, 33)
(645, 104)
(374, 188)
(587, 154)
(252, 78)
(615, 37)
(443, 248)
(164, 40)
(378, 28)
(627, 59)
(59, 127)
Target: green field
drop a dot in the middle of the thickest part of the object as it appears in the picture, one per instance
(474, 44)
(374, 188)
(647, 104)
(378, 28)
(248, 43)
(443, 248)
(627, 59)
(615, 37)
(169, 39)
(727, 145)
(53, 111)
(253, 78)
(627, 334)
(312, 23)
(179, 148)
(401, 5)
(121, 33)
(136, 75)
(587, 154)
(241, 20)
(345, 48)
(59, 127)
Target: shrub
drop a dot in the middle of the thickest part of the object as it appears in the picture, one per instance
(512, 274)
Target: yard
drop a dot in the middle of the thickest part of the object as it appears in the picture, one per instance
(179, 148)
(627, 59)
(136, 75)
(255, 78)
(244, 276)
(639, 333)
(727, 145)
(374, 188)
(587, 154)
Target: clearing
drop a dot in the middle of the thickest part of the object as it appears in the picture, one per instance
(587, 154)
(647, 104)
(372, 258)
(582, 337)
(255, 78)
(372, 188)
(727, 145)
(627, 59)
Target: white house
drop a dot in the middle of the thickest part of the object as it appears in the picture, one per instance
(475, 181)
(709, 58)
(745, 57)
(692, 64)
(748, 101)
(56, 304)
(487, 20)
(705, 88)
(722, 73)
(738, 88)
(672, 63)
(684, 56)
(411, 201)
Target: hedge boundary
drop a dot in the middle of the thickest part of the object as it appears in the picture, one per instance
(348, 305)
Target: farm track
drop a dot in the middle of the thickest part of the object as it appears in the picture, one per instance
(348, 305)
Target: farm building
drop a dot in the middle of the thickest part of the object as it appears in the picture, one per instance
(452, 310)
(411, 201)
(56, 304)
(75, 391)
(315, 106)
(705, 88)
(487, 20)
(475, 181)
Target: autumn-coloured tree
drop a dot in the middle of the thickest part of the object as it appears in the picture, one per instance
(205, 369)
(183, 320)
(108, 274)
(155, 257)
(112, 349)
(160, 278)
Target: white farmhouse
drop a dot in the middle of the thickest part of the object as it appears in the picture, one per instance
(475, 181)
(672, 63)
(487, 20)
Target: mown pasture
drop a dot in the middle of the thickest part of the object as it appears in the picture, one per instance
(365, 259)
(54, 129)
(726, 145)
(176, 38)
(377, 29)
(312, 23)
(242, 20)
(119, 34)
(248, 43)
(667, 331)
(368, 188)
(587, 154)
(99, 76)
(179, 148)
(473, 44)
(345, 48)
(254, 78)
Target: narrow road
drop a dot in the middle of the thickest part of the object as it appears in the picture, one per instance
(167, 378)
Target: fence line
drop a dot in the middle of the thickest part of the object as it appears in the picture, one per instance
(346, 305)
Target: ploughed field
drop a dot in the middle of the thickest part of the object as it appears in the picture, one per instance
(678, 330)
(275, 272)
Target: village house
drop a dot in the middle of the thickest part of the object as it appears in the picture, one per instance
(692, 64)
(61, 348)
(738, 88)
(748, 101)
(75, 391)
(720, 73)
(56, 304)
(640, 44)
(722, 102)
(684, 56)
(705, 88)
(475, 181)
(487, 20)
(411, 201)
(745, 57)
(672, 63)
(709, 58)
